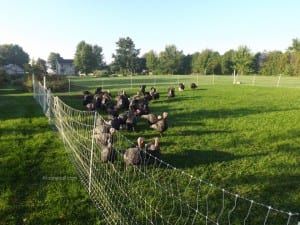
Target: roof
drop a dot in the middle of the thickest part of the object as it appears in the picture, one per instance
(65, 61)
(13, 69)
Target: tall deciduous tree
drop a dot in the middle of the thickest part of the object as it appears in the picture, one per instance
(206, 62)
(126, 57)
(52, 58)
(39, 67)
(97, 50)
(227, 62)
(170, 60)
(242, 60)
(295, 45)
(13, 54)
(88, 58)
(151, 61)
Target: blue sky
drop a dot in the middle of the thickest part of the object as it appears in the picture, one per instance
(44, 26)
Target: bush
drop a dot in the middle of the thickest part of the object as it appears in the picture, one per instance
(4, 78)
(102, 73)
(54, 82)
(57, 83)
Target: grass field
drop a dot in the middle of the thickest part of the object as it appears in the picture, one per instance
(38, 185)
(244, 138)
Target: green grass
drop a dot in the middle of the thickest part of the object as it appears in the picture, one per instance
(243, 138)
(38, 185)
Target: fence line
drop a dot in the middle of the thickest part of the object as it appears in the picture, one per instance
(154, 192)
(75, 83)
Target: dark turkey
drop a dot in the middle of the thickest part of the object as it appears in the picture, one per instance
(133, 156)
(152, 150)
(161, 125)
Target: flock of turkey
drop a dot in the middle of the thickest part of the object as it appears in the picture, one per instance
(123, 114)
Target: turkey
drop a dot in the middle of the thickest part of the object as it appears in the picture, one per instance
(193, 86)
(108, 153)
(105, 138)
(151, 118)
(161, 125)
(152, 149)
(171, 92)
(133, 156)
(131, 121)
(181, 86)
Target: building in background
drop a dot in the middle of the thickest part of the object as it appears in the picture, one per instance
(13, 69)
(65, 67)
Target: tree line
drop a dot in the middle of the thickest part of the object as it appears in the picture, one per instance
(126, 60)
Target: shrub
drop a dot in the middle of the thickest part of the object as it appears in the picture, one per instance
(102, 73)
(3, 77)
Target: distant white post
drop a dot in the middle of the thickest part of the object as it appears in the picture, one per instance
(278, 81)
(45, 94)
(33, 86)
(234, 78)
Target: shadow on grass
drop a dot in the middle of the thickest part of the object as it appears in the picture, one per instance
(194, 158)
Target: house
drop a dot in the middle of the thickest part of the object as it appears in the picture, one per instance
(65, 67)
(13, 69)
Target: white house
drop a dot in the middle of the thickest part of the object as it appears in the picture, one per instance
(13, 69)
(65, 67)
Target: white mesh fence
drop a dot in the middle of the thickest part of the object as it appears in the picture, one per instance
(153, 192)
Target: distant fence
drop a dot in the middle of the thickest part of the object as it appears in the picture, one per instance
(154, 192)
(133, 82)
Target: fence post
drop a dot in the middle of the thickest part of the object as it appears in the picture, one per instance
(45, 95)
(69, 86)
(92, 151)
(278, 81)
(33, 86)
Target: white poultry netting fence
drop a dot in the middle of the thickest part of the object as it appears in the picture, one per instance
(154, 192)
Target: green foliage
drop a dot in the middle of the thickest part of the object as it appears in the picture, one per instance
(242, 60)
(88, 58)
(57, 83)
(4, 78)
(102, 73)
(52, 59)
(13, 54)
(126, 57)
(170, 60)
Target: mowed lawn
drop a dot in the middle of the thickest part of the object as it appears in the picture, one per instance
(241, 138)
(38, 184)
(245, 139)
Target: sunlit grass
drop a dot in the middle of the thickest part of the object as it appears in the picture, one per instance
(244, 138)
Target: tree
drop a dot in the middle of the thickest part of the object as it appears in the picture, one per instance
(126, 57)
(275, 63)
(206, 62)
(13, 54)
(151, 61)
(242, 60)
(295, 45)
(52, 58)
(97, 50)
(227, 62)
(85, 60)
(38, 67)
(170, 60)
